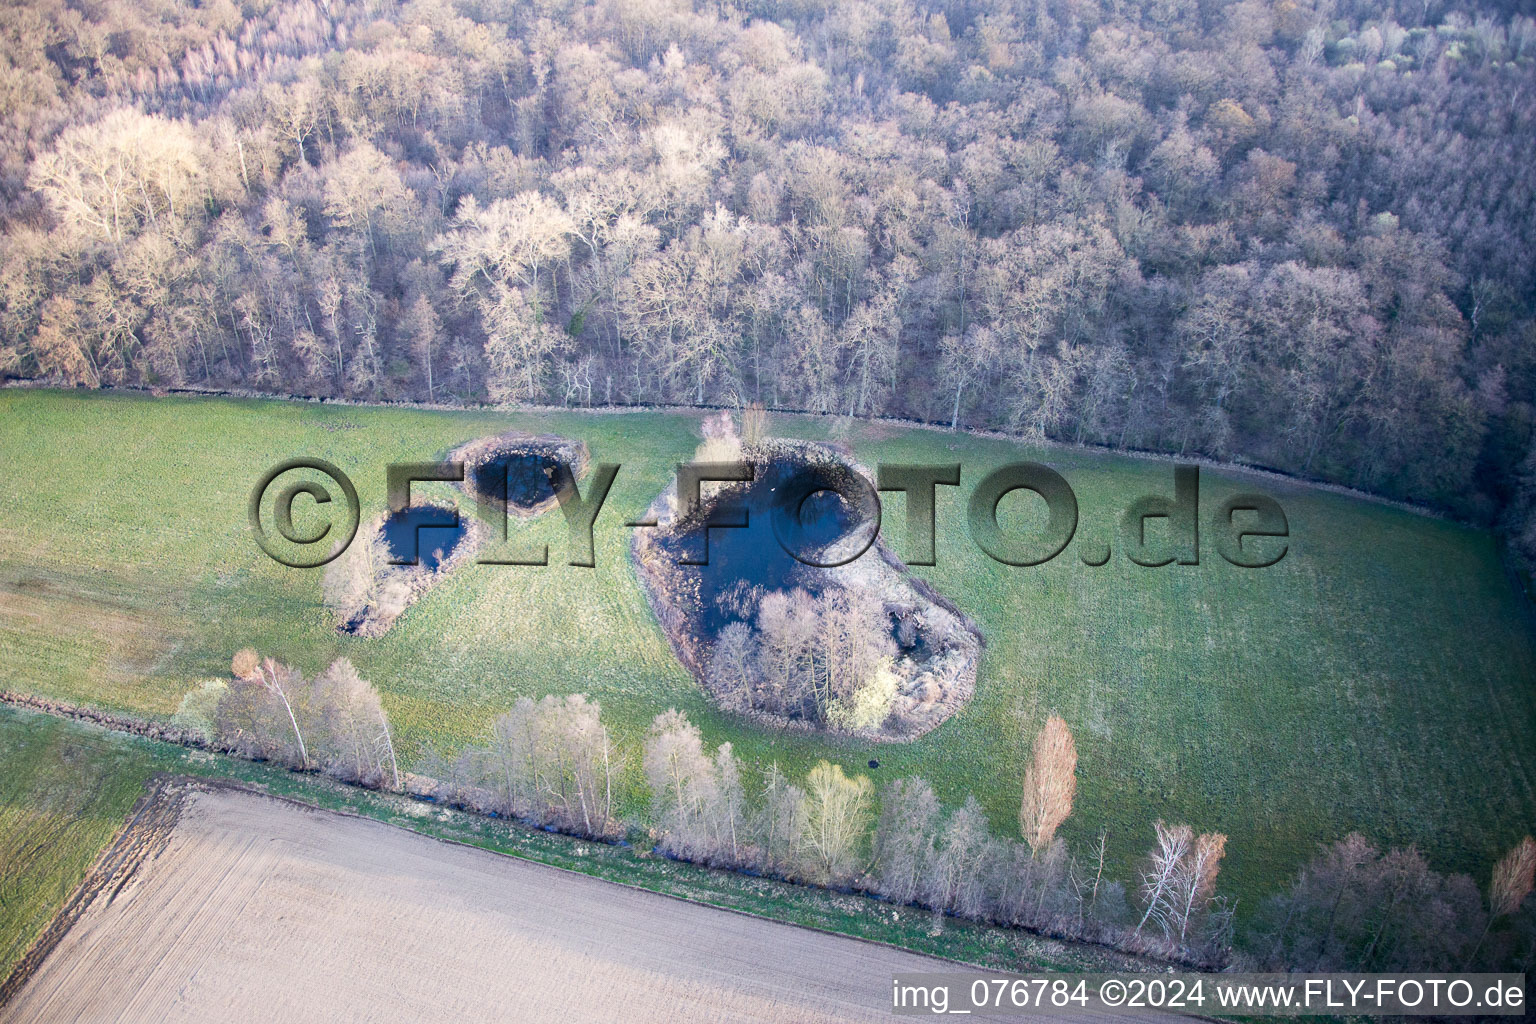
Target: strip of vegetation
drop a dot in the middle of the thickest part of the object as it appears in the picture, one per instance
(551, 764)
(125, 763)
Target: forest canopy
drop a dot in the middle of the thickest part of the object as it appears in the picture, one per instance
(1294, 233)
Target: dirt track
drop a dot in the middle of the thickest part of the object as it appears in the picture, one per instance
(257, 910)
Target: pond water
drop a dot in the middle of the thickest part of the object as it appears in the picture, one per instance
(515, 479)
(417, 532)
(748, 557)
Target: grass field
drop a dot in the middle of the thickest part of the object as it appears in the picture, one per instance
(1380, 678)
(64, 792)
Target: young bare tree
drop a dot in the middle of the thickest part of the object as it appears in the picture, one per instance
(836, 818)
(1050, 783)
(508, 764)
(287, 686)
(1178, 885)
(1160, 878)
(965, 361)
(358, 745)
(1088, 880)
(778, 826)
(519, 346)
(787, 629)
(424, 328)
(958, 874)
(572, 763)
(579, 783)
(1513, 878)
(826, 657)
(855, 646)
(909, 818)
(698, 800)
(682, 782)
(59, 345)
(725, 814)
(551, 761)
(1195, 883)
(733, 665)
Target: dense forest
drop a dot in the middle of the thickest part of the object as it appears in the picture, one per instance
(1296, 233)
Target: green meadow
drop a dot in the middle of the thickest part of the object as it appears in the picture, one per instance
(1381, 678)
(65, 790)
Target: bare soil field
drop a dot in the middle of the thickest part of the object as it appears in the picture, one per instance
(253, 908)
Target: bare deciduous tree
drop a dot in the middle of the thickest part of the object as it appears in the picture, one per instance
(733, 665)
(825, 657)
(1513, 877)
(260, 713)
(1050, 783)
(285, 684)
(550, 761)
(1160, 878)
(778, 826)
(358, 744)
(837, 808)
(1354, 908)
(697, 800)
(681, 778)
(1195, 883)
(909, 814)
(126, 170)
(958, 875)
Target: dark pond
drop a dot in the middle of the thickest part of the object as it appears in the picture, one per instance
(753, 556)
(419, 532)
(515, 479)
